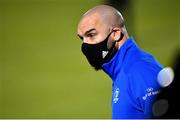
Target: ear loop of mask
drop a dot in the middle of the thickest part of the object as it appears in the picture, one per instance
(122, 35)
(112, 50)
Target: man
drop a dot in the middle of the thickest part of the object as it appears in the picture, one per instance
(107, 46)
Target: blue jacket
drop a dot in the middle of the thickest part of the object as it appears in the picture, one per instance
(135, 87)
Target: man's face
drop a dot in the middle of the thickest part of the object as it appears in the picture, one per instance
(94, 34)
(98, 37)
(92, 30)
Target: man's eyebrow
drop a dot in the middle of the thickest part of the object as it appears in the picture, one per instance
(88, 31)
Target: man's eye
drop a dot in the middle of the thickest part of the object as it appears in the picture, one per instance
(91, 35)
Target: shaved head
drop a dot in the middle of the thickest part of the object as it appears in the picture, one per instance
(108, 15)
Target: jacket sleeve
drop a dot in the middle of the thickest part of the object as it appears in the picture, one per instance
(144, 86)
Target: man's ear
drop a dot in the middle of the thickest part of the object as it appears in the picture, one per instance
(116, 33)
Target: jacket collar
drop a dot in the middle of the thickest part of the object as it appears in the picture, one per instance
(113, 67)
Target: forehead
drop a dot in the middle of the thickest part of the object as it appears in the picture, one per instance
(89, 22)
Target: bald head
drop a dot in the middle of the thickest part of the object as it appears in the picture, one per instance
(107, 14)
(98, 22)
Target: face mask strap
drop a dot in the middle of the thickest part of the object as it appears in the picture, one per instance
(113, 50)
(122, 35)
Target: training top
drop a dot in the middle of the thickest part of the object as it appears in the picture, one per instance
(135, 86)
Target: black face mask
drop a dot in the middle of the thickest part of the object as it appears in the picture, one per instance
(98, 54)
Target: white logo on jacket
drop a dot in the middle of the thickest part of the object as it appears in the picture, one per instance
(116, 95)
(150, 92)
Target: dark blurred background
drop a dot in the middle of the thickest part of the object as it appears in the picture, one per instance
(43, 73)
